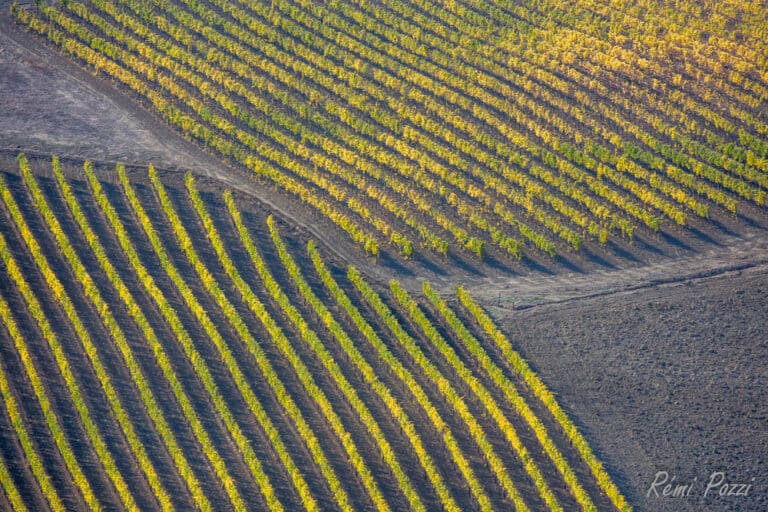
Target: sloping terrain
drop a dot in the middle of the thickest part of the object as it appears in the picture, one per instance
(56, 107)
(493, 130)
(655, 346)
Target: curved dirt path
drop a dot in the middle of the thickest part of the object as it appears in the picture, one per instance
(52, 106)
(521, 292)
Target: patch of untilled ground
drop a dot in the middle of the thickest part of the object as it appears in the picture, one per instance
(48, 106)
(51, 106)
(669, 384)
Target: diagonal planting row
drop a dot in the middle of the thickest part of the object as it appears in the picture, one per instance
(418, 124)
(291, 386)
(52, 337)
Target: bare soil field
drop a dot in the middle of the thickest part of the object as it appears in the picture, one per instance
(658, 348)
(670, 378)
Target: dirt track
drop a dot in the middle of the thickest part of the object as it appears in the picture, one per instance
(51, 106)
(658, 348)
(740, 253)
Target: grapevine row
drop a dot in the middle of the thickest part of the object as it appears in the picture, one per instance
(181, 334)
(491, 407)
(190, 126)
(236, 320)
(277, 335)
(406, 377)
(301, 129)
(313, 389)
(6, 480)
(148, 396)
(117, 334)
(312, 339)
(298, 479)
(31, 453)
(427, 84)
(452, 395)
(213, 332)
(281, 138)
(368, 372)
(496, 235)
(57, 289)
(547, 398)
(512, 396)
(678, 195)
(529, 89)
(350, 392)
(389, 112)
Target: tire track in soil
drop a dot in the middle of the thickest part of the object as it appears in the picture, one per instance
(737, 253)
